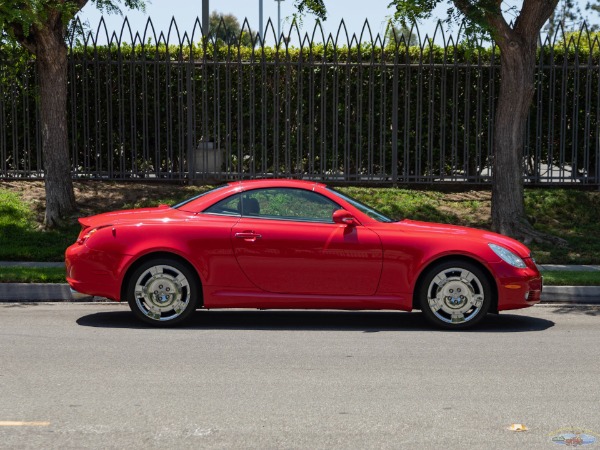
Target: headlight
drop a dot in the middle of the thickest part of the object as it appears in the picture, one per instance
(508, 257)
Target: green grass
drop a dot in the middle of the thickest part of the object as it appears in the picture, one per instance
(568, 278)
(571, 214)
(32, 275)
(428, 206)
(22, 238)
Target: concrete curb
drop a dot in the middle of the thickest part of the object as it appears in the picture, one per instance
(571, 294)
(39, 265)
(49, 292)
(40, 292)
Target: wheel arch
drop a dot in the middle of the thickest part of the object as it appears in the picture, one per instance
(443, 259)
(157, 255)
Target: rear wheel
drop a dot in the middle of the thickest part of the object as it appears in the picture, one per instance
(163, 292)
(455, 294)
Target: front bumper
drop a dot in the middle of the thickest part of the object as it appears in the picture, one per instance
(518, 288)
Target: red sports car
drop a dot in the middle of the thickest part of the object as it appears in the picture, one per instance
(284, 244)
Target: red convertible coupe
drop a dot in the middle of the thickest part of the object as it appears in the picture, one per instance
(275, 244)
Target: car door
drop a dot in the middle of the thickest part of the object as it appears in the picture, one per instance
(286, 242)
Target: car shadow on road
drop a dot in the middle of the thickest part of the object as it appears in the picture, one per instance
(364, 321)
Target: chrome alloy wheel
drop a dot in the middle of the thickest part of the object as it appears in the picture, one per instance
(162, 292)
(455, 295)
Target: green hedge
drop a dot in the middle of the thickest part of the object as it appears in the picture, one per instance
(416, 112)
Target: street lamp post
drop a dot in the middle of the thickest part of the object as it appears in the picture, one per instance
(205, 18)
(260, 19)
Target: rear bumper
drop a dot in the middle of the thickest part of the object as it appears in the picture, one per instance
(79, 296)
(93, 273)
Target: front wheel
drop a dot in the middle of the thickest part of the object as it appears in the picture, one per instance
(455, 295)
(162, 292)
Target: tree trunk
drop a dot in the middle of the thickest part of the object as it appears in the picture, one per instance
(51, 60)
(517, 70)
(517, 65)
(518, 45)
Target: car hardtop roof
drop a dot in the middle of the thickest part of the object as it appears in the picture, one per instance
(276, 182)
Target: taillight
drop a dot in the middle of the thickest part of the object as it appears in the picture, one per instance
(86, 233)
(84, 237)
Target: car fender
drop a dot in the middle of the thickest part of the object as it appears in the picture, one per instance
(207, 249)
(407, 257)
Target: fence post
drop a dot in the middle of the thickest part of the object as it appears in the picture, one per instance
(395, 121)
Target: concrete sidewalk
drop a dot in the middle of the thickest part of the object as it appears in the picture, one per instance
(570, 268)
(53, 292)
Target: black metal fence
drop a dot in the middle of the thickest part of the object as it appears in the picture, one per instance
(355, 109)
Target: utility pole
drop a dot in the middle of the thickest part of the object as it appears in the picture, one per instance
(279, 19)
(205, 18)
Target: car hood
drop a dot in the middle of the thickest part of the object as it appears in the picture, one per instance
(471, 234)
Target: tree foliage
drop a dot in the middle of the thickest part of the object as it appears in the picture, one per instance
(23, 20)
(40, 26)
(568, 16)
(226, 28)
(401, 33)
(316, 7)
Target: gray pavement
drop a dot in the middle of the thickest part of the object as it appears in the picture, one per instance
(47, 292)
(80, 376)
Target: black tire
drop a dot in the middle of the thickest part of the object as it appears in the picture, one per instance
(455, 295)
(163, 292)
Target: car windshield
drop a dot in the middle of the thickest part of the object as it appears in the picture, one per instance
(185, 202)
(372, 213)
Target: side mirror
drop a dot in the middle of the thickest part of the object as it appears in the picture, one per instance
(344, 217)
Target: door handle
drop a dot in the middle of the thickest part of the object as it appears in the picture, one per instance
(248, 236)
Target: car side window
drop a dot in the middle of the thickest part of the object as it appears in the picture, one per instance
(288, 204)
(229, 206)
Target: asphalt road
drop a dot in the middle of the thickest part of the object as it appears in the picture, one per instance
(90, 376)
